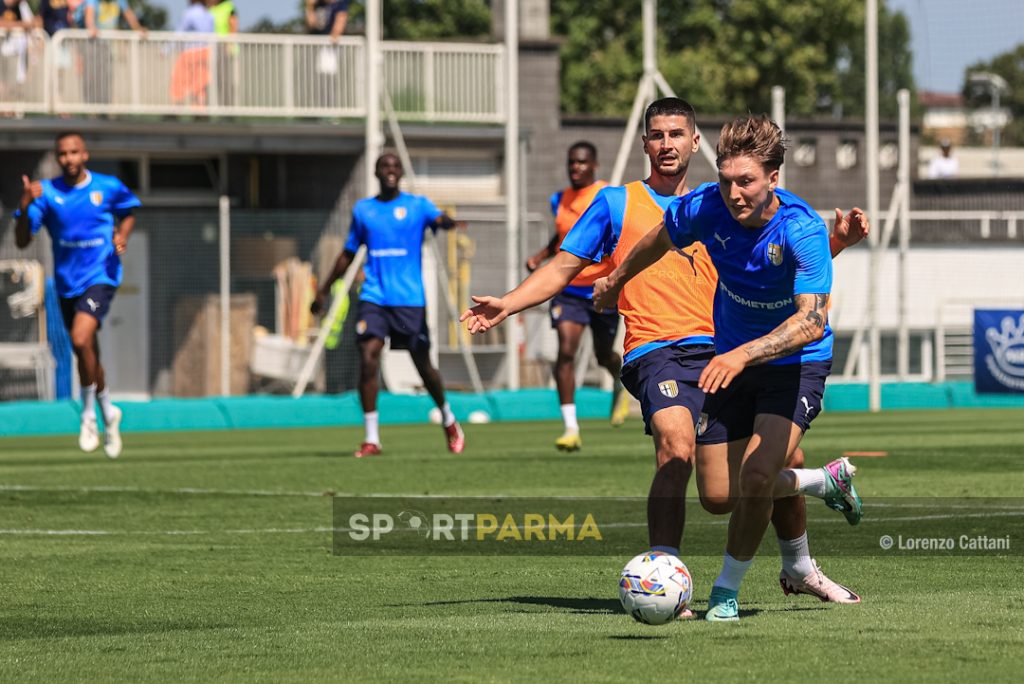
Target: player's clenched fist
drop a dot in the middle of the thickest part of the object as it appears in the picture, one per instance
(605, 296)
(852, 228)
(30, 190)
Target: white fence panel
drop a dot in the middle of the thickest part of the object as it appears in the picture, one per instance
(24, 71)
(243, 75)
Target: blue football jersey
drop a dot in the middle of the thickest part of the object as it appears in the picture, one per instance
(393, 234)
(81, 221)
(759, 270)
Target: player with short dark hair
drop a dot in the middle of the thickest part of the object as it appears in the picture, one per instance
(572, 309)
(392, 300)
(89, 218)
(774, 347)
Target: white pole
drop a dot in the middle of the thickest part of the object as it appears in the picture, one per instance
(871, 165)
(996, 128)
(512, 182)
(903, 185)
(627, 142)
(779, 117)
(225, 295)
(650, 18)
(374, 138)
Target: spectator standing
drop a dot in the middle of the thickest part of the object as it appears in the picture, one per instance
(225, 23)
(945, 165)
(96, 16)
(327, 18)
(190, 77)
(55, 15)
(14, 14)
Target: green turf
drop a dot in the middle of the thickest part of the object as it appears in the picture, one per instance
(172, 567)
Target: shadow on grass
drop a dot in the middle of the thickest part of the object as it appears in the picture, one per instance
(15, 629)
(585, 606)
(636, 637)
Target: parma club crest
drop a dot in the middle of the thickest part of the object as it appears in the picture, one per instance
(360, 327)
(556, 312)
(775, 254)
(669, 388)
(400, 213)
(96, 197)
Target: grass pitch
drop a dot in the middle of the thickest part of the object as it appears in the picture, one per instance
(207, 556)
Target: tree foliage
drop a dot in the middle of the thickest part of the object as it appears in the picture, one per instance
(405, 19)
(724, 56)
(1009, 65)
(153, 17)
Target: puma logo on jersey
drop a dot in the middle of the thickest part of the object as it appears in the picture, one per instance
(722, 240)
(807, 407)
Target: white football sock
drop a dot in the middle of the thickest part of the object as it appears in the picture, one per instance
(732, 573)
(811, 481)
(796, 556)
(447, 417)
(569, 417)
(105, 404)
(89, 402)
(370, 420)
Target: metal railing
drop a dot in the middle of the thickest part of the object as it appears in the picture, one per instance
(244, 75)
(444, 82)
(25, 71)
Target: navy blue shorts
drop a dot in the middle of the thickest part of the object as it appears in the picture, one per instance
(95, 301)
(793, 391)
(405, 325)
(567, 307)
(668, 377)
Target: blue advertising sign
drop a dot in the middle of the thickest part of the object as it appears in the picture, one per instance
(998, 350)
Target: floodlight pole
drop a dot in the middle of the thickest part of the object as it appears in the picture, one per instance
(779, 117)
(903, 187)
(873, 201)
(225, 295)
(512, 183)
(374, 136)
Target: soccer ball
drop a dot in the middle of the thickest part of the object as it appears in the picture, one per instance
(655, 588)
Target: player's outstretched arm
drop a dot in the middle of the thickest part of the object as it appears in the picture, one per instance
(30, 190)
(341, 265)
(539, 286)
(796, 332)
(849, 230)
(645, 252)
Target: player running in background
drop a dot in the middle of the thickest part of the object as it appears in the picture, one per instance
(669, 335)
(392, 300)
(773, 342)
(572, 309)
(89, 218)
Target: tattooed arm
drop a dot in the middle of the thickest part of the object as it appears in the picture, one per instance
(796, 332)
